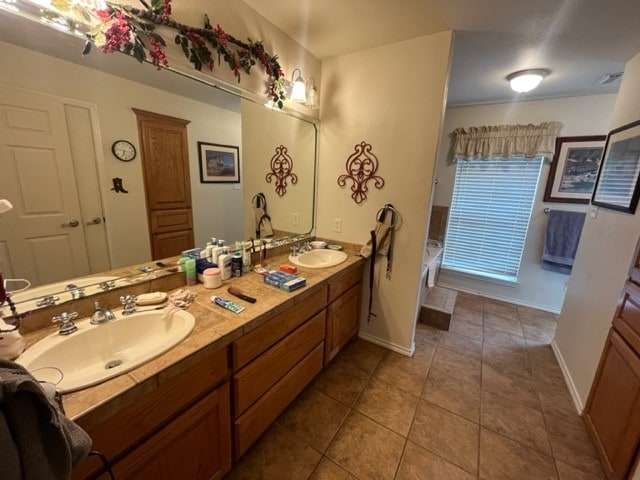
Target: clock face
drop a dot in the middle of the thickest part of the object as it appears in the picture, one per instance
(124, 150)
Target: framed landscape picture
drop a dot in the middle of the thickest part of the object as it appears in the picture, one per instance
(574, 169)
(617, 186)
(219, 163)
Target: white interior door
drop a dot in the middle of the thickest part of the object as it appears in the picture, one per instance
(42, 238)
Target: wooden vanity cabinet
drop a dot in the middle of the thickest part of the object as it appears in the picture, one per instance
(182, 425)
(343, 310)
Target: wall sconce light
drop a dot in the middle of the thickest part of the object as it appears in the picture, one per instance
(526, 80)
(300, 91)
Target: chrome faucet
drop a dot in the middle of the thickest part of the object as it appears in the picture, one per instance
(101, 315)
(65, 320)
(75, 291)
(47, 301)
(128, 303)
(105, 286)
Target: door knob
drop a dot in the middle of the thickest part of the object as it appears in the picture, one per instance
(95, 221)
(72, 224)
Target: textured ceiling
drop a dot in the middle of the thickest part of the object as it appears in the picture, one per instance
(578, 40)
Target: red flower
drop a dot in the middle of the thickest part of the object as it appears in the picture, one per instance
(117, 35)
(158, 56)
(166, 8)
(222, 37)
(104, 15)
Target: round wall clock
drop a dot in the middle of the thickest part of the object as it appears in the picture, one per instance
(123, 150)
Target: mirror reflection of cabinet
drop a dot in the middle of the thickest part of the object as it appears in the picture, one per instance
(612, 413)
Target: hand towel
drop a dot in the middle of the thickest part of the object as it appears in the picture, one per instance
(561, 240)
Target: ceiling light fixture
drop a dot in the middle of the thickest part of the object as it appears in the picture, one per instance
(526, 80)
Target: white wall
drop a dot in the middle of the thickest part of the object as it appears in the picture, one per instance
(600, 268)
(587, 115)
(365, 99)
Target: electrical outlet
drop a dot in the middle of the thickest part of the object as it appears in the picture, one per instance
(296, 219)
(337, 225)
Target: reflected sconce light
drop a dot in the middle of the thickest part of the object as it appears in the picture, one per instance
(298, 88)
(526, 80)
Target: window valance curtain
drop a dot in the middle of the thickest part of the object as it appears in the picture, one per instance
(505, 141)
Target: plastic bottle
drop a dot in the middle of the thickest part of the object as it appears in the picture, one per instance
(224, 263)
(190, 271)
(246, 259)
(236, 264)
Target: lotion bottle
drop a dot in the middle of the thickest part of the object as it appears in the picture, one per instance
(224, 263)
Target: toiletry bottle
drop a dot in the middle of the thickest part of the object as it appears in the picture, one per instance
(208, 249)
(216, 251)
(224, 263)
(246, 257)
(190, 269)
(236, 264)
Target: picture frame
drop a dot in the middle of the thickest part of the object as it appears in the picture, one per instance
(574, 169)
(219, 163)
(617, 186)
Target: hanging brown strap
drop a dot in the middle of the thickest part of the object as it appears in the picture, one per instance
(371, 274)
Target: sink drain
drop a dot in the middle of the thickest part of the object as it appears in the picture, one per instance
(113, 364)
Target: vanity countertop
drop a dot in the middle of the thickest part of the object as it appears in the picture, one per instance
(215, 328)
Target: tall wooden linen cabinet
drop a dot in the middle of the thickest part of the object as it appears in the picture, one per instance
(612, 413)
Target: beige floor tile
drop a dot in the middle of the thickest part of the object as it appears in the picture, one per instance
(329, 470)
(517, 421)
(504, 459)
(315, 418)
(388, 405)
(505, 324)
(427, 333)
(541, 334)
(403, 372)
(513, 388)
(425, 348)
(558, 401)
(420, 464)
(571, 443)
(509, 359)
(468, 329)
(366, 449)
(567, 472)
(278, 455)
(454, 395)
(457, 365)
(470, 301)
(446, 434)
(342, 380)
(469, 315)
(365, 355)
(461, 344)
(500, 337)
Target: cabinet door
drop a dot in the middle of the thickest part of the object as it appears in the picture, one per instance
(613, 407)
(342, 321)
(197, 444)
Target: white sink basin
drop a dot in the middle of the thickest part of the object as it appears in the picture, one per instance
(96, 353)
(319, 258)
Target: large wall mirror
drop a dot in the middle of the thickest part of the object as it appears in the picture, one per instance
(79, 210)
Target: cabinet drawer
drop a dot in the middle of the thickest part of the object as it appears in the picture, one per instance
(627, 318)
(346, 280)
(196, 444)
(140, 416)
(257, 377)
(263, 413)
(261, 338)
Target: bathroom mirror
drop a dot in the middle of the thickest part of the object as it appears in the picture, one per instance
(89, 101)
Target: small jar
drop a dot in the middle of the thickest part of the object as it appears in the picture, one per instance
(212, 278)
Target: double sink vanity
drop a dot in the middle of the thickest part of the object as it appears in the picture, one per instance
(198, 407)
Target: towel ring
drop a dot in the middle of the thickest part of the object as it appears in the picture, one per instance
(395, 212)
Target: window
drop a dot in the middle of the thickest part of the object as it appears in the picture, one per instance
(489, 216)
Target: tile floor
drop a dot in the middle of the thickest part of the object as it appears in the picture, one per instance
(485, 400)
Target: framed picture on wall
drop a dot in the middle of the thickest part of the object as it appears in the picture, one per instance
(617, 186)
(219, 163)
(574, 169)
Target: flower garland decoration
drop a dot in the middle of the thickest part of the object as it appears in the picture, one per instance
(131, 30)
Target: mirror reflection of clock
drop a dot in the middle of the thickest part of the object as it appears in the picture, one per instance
(123, 150)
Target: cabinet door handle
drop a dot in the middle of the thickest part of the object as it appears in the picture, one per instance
(95, 221)
(72, 224)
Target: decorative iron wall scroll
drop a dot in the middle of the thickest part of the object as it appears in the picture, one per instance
(362, 166)
(281, 168)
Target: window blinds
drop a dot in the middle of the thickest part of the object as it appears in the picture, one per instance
(489, 216)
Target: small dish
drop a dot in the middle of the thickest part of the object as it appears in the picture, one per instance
(334, 247)
(318, 244)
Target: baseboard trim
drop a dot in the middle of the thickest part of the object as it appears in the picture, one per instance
(545, 308)
(567, 377)
(386, 344)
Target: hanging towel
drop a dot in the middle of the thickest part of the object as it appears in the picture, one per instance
(38, 441)
(561, 240)
(262, 219)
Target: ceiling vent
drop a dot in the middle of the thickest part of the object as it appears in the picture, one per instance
(608, 78)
